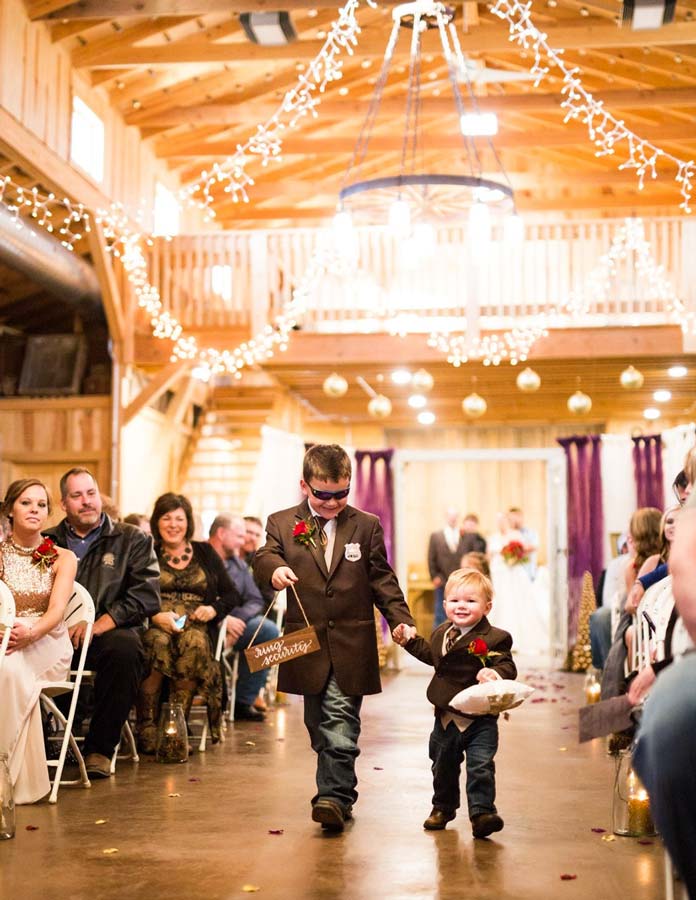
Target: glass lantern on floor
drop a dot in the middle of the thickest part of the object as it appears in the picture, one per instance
(172, 735)
(631, 806)
(593, 688)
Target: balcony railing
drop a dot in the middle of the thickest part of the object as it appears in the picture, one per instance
(244, 279)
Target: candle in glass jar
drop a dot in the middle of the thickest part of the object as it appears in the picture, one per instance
(639, 819)
(593, 692)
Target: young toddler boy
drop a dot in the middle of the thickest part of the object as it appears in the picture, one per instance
(464, 650)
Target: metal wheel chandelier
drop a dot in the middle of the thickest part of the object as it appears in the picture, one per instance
(418, 195)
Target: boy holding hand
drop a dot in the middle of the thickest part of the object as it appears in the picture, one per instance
(464, 650)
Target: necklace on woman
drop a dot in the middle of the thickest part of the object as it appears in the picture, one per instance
(26, 550)
(183, 557)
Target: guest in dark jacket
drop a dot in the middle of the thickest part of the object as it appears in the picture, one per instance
(464, 651)
(118, 566)
(196, 596)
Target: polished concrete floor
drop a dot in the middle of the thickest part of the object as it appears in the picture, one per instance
(206, 830)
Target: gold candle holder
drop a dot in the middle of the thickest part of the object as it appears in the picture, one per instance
(640, 823)
(593, 693)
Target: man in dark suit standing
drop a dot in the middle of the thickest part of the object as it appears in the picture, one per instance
(445, 551)
(334, 555)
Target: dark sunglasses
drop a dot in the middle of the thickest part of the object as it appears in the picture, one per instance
(329, 495)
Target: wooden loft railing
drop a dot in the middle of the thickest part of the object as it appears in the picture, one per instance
(243, 279)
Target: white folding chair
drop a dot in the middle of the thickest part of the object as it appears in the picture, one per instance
(219, 647)
(7, 617)
(80, 608)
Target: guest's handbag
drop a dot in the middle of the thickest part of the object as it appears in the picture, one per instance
(283, 648)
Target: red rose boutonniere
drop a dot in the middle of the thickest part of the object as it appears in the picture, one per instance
(479, 648)
(303, 532)
(45, 554)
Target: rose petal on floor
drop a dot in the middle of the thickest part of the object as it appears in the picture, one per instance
(567, 877)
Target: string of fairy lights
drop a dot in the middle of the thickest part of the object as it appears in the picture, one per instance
(605, 131)
(70, 220)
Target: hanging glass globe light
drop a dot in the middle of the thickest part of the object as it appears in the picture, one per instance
(528, 381)
(422, 381)
(474, 405)
(379, 407)
(335, 385)
(579, 403)
(631, 379)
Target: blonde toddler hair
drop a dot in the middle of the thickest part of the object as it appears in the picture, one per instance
(471, 578)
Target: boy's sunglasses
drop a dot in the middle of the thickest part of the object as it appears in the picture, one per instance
(329, 495)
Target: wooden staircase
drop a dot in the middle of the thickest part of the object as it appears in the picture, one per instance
(219, 470)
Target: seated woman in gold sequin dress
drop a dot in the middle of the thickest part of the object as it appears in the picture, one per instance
(40, 576)
(195, 586)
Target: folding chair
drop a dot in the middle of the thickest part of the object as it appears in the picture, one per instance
(7, 617)
(219, 647)
(80, 608)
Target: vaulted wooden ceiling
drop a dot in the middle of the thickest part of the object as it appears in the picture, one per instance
(186, 75)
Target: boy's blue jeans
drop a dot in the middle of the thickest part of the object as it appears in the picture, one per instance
(332, 719)
(447, 750)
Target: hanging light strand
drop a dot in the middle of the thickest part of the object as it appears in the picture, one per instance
(605, 130)
(266, 143)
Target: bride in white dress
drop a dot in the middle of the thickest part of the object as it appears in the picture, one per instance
(520, 605)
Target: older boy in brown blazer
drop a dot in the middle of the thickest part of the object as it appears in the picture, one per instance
(335, 555)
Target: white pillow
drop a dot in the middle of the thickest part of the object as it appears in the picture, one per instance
(491, 697)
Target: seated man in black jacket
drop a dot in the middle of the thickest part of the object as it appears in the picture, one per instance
(118, 566)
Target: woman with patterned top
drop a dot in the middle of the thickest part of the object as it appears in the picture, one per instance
(40, 576)
(196, 595)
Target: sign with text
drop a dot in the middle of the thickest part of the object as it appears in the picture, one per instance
(282, 649)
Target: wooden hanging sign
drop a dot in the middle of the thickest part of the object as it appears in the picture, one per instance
(283, 648)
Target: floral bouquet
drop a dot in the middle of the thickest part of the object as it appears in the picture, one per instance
(514, 553)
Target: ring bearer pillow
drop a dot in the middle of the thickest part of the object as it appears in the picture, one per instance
(491, 697)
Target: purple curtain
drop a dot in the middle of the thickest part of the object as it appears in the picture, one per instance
(374, 490)
(647, 468)
(585, 519)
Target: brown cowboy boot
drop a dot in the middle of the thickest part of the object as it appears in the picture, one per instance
(147, 712)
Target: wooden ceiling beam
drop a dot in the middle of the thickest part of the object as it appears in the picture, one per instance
(67, 9)
(546, 137)
(373, 42)
(238, 114)
(92, 52)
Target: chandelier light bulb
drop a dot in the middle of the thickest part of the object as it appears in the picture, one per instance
(677, 372)
(426, 417)
(631, 379)
(422, 381)
(479, 224)
(474, 405)
(579, 403)
(662, 396)
(652, 412)
(399, 216)
(343, 226)
(478, 124)
(379, 407)
(528, 381)
(335, 385)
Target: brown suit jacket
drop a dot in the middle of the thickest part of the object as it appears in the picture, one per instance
(339, 601)
(457, 669)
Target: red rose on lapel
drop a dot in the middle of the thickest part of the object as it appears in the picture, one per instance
(479, 648)
(303, 532)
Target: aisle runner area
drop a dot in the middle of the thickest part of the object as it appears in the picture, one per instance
(238, 816)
